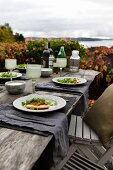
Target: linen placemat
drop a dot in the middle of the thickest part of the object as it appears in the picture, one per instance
(83, 88)
(79, 90)
(55, 123)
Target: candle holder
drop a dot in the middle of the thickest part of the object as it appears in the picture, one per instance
(61, 63)
(10, 64)
(33, 71)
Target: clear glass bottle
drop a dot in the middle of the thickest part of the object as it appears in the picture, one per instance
(74, 61)
(46, 54)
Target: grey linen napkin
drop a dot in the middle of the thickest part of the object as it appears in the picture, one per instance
(79, 90)
(89, 75)
(57, 125)
(23, 77)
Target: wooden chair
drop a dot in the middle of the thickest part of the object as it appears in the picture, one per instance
(86, 151)
(88, 143)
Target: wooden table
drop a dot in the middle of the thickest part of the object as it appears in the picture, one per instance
(20, 150)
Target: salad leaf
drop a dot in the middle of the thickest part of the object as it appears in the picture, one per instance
(7, 75)
(22, 66)
(68, 80)
(40, 101)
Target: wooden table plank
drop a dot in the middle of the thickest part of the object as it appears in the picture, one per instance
(20, 150)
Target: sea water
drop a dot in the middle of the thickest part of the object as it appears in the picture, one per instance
(88, 44)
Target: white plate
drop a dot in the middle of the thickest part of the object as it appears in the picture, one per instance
(18, 75)
(80, 80)
(60, 102)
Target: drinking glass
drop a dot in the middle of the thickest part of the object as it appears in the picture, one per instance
(33, 71)
(61, 63)
(10, 64)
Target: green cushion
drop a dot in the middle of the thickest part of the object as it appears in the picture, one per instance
(100, 116)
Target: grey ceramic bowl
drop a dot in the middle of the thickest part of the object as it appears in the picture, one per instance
(15, 87)
(46, 72)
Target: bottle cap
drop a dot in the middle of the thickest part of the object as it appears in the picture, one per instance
(75, 52)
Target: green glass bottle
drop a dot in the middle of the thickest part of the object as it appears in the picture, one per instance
(61, 59)
(61, 53)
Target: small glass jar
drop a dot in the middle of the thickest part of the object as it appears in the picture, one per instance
(74, 61)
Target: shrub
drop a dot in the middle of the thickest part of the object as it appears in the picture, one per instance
(32, 51)
(100, 59)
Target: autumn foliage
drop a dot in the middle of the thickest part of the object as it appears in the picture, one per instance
(96, 58)
(100, 59)
(32, 51)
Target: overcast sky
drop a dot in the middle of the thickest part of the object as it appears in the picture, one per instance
(59, 18)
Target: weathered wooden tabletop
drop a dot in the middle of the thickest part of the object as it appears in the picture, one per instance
(20, 150)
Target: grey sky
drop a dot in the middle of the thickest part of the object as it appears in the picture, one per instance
(59, 18)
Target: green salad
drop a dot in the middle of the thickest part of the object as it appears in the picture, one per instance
(7, 75)
(38, 103)
(68, 80)
(22, 66)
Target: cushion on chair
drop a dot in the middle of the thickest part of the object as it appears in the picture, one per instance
(100, 116)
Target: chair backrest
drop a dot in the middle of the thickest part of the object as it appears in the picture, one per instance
(81, 156)
(80, 131)
(88, 143)
(78, 162)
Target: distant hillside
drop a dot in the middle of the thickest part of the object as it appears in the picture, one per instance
(69, 38)
(88, 39)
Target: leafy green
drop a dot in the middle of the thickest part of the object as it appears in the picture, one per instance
(39, 100)
(22, 66)
(68, 80)
(7, 75)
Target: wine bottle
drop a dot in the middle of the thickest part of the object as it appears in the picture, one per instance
(46, 54)
(51, 56)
